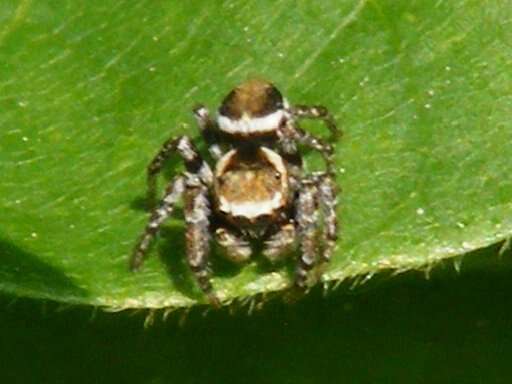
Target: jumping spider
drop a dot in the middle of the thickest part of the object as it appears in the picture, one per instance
(257, 190)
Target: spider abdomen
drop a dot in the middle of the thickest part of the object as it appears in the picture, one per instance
(251, 189)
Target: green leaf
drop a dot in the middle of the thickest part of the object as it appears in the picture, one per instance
(89, 92)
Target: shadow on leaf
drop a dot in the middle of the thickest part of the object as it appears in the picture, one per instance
(172, 253)
(19, 268)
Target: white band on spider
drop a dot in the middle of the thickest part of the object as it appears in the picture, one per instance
(248, 125)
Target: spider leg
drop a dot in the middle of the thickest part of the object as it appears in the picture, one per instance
(173, 192)
(197, 212)
(307, 226)
(327, 198)
(289, 134)
(235, 248)
(209, 131)
(194, 163)
(317, 112)
(280, 244)
(316, 143)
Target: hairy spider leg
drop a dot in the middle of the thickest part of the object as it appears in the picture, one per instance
(291, 134)
(281, 243)
(209, 131)
(234, 247)
(197, 211)
(325, 149)
(317, 112)
(172, 194)
(327, 199)
(194, 163)
(307, 226)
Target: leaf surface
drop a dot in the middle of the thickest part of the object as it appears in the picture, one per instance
(89, 92)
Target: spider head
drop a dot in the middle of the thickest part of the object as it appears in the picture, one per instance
(254, 108)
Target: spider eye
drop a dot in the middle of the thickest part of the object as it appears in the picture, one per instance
(277, 175)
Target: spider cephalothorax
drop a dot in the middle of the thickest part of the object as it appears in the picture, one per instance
(252, 109)
(257, 190)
